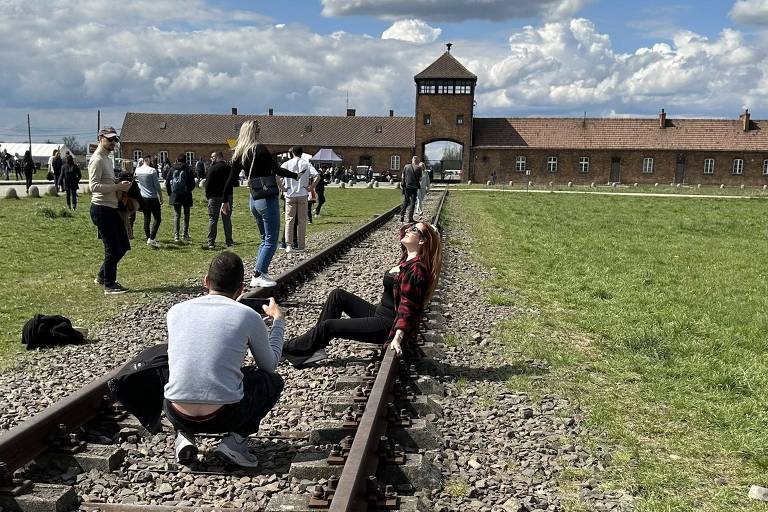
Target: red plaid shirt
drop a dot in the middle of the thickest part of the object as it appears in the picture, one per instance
(409, 294)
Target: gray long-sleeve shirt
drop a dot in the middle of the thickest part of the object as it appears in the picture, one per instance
(208, 338)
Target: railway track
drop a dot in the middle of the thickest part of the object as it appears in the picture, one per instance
(369, 433)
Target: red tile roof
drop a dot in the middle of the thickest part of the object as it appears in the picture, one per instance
(326, 131)
(620, 133)
(446, 66)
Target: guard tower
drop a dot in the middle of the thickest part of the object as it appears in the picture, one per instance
(445, 97)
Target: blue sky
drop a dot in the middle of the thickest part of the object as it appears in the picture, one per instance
(63, 61)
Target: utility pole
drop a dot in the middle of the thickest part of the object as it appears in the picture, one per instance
(98, 123)
(29, 133)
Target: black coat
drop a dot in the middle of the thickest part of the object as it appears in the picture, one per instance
(70, 176)
(185, 198)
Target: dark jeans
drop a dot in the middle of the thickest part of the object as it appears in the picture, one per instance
(28, 177)
(320, 201)
(214, 209)
(409, 202)
(367, 322)
(115, 239)
(152, 209)
(261, 391)
(71, 198)
(177, 219)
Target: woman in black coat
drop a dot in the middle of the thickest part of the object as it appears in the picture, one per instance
(28, 167)
(70, 180)
(179, 183)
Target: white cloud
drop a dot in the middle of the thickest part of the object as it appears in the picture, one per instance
(412, 31)
(750, 11)
(454, 10)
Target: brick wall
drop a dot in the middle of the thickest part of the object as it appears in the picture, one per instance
(503, 161)
(443, 109)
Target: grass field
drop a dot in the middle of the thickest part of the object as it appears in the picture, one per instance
(519, 184)
(48, 264)
(653, 315)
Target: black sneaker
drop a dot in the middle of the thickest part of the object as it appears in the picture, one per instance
(115, 289)
(99, 281)
(208, 247)
(303, 361)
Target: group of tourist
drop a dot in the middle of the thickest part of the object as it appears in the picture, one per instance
(23, 167)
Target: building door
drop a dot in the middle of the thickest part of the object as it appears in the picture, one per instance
(615, 170)
(680, 169)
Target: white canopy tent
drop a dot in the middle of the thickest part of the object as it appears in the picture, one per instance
(40, 152)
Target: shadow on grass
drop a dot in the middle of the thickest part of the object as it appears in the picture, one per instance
(493, 374)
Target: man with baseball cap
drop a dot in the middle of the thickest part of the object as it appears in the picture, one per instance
(101, 179)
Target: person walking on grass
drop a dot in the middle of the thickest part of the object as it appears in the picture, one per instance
(320, 191)
(27, 167)
(217, 177)
(101, 179)
(152, 197)
(70, 180)
(208, 391)
(179, 183)
(260, 167)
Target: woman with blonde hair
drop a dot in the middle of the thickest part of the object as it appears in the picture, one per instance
(395, 320)
(260, 169)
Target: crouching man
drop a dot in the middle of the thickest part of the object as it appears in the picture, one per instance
(207, 390)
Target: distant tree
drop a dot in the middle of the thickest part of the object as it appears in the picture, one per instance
(451, 153)
(72, 143)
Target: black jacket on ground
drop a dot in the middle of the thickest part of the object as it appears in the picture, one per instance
(218, 180)
(185, 198)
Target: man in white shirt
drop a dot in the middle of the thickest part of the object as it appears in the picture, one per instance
(296, 198)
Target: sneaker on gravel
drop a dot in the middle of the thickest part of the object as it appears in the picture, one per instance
(263, 281)
(233, 449)
(186, 448)
(302, 361)
(115, 289)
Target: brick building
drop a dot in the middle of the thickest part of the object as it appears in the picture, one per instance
(445, 133)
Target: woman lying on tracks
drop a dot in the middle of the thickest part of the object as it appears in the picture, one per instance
(395, 320)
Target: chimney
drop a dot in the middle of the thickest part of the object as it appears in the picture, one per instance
(234, 111)
(745, 122)
(350, 112)
(391, 113)
(271, 111)
(662, 119)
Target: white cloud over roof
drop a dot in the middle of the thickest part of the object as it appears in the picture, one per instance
(412, 31)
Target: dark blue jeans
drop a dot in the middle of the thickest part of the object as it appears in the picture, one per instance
(115, 239)
(261, 391)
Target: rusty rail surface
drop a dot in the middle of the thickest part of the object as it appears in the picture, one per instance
(24, 442)
(352, 493)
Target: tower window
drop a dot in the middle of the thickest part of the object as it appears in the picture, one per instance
(463, 87)
(444, 87)
(427, 87)
(427, 119)
(460, 119)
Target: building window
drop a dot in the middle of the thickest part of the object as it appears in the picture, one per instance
(444, 87)
(163, 155)
(647, 165)
(136, 155)
(520, 164)
(709, 166)
(394, 163)
(552, 164)
(427, 119)
(765, 167)
(738, 166)
(584, 164)
(463, 87)
(427, 87)
(460, 119)
(190, 157)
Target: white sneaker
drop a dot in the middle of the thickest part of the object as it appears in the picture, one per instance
(263, 281)
(289, 249)
(153, 243)
(233, 449)
(186, 449)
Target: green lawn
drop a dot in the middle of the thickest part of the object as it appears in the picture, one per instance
(519, 184)
(48, 264)
(653, 314)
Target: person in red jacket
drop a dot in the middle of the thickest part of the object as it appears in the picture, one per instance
(408, 286)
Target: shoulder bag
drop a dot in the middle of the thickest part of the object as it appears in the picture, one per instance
(261, 187)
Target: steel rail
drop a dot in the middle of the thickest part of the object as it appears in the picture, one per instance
(24, 442)
(351, 494)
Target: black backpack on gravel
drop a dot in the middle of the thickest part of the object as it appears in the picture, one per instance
(49, 331)
(140, 384)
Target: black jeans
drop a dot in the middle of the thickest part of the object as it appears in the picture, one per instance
(71, 197)
(367, 322)
(409, 203)
(214, 209)
(261, 391)
(177, 219)
(115, 239)
(320, 201)
(28, 177)
(151, 209)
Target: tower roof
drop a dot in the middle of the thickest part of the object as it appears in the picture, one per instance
(446, 66)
